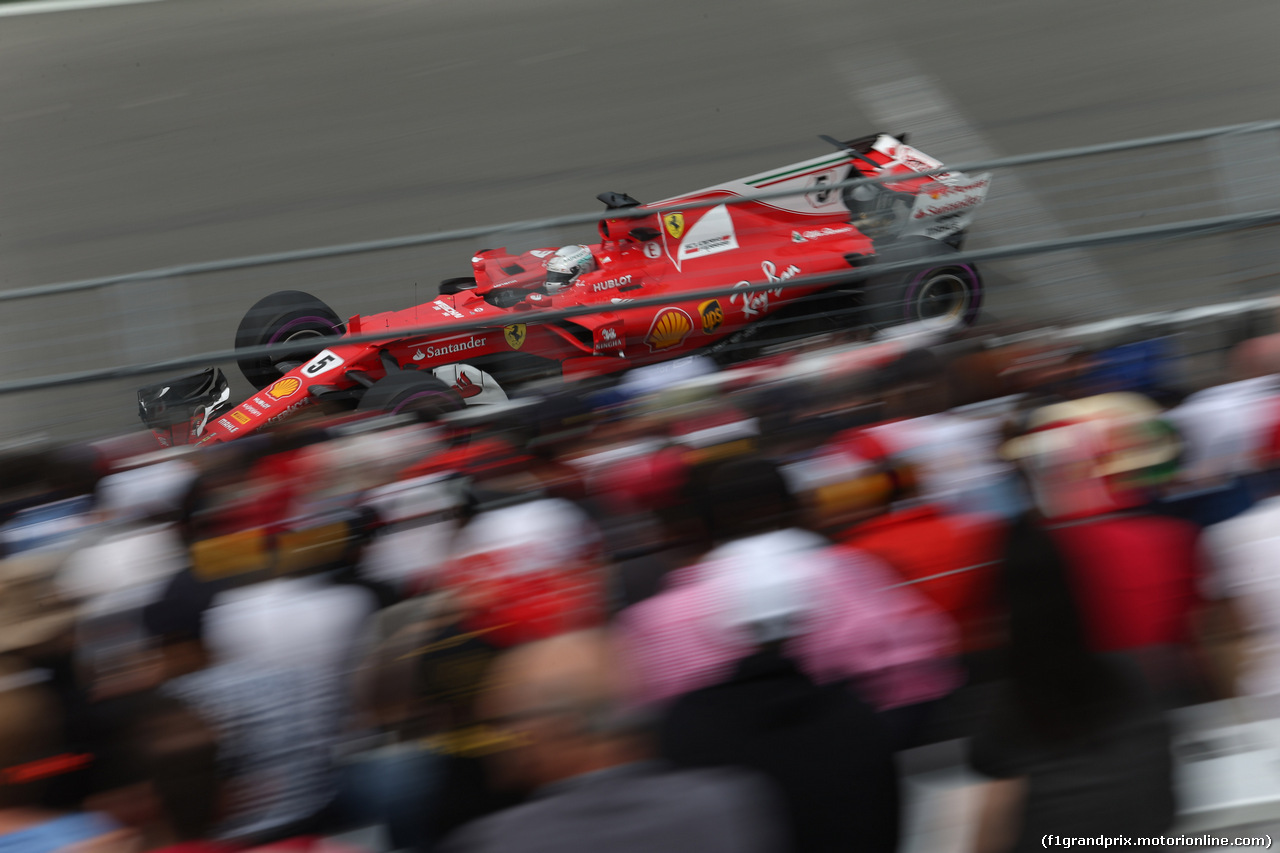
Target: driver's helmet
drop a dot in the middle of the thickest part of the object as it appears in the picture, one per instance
(564, 267)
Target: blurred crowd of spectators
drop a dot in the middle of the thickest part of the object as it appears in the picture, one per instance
(694, 609)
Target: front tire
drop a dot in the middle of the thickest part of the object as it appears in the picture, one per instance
(410, 391)
(945, 293)
(286, 316)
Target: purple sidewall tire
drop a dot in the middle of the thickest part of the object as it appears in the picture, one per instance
(282, 333)
(975, 293)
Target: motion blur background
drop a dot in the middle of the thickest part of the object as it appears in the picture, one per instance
(152, 134)
(147, 135)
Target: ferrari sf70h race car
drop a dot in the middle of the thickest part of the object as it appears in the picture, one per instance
(644, 284)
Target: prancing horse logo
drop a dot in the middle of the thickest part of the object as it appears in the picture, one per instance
(515, 335)
(674, 223)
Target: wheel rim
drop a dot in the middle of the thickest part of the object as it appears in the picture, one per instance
(942, 296)
(296, 330)
(301, 334)
(299, 329)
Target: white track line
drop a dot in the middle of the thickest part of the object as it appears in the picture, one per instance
(900, 98)
(39, 7)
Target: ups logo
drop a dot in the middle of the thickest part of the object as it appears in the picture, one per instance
(712, 315)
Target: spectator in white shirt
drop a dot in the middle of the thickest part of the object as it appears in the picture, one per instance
(1245, 552)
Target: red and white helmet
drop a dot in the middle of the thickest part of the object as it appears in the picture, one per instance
(564, 267)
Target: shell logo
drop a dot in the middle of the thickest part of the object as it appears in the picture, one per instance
(669, 329)
(286, 387)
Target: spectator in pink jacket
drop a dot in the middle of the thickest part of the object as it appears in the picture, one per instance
(895, 647)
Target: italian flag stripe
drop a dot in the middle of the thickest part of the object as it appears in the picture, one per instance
(804, 167)
(814, 170)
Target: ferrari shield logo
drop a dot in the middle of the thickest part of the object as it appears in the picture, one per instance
(515, 335)
(674, 223)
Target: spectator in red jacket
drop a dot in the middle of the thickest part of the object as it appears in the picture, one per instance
(948, 557)
(1090, 464)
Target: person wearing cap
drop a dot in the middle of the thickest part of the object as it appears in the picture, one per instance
(1091, 466)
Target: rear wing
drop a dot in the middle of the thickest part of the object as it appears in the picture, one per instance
(936, 206)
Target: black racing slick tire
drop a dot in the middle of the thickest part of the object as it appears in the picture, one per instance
(410, 392)
(949, 293)
(284, 316)
(457, 285)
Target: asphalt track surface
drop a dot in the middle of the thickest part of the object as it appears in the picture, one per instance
(141, 136)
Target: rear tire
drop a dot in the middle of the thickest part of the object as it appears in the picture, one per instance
(945, 293)
(284, 316)
(410, 391)
(457, 285)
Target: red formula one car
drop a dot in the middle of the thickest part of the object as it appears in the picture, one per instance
(645, 283)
